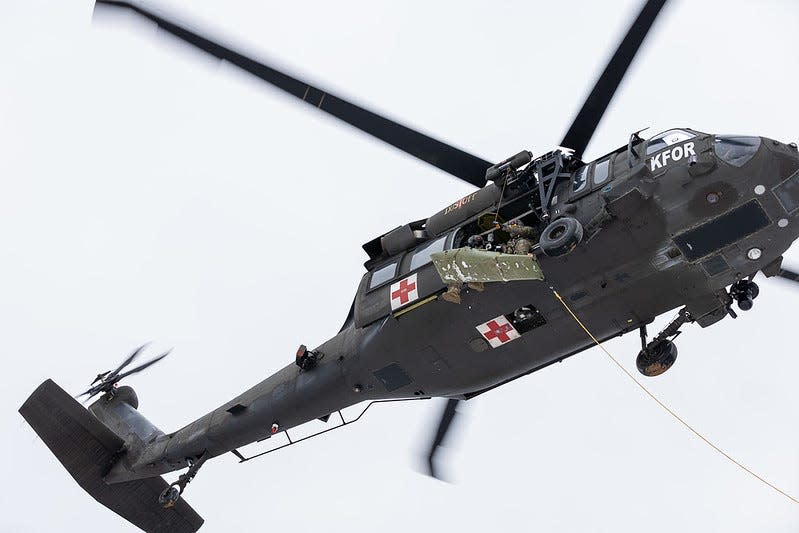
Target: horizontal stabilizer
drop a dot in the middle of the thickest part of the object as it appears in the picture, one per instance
(87, 449)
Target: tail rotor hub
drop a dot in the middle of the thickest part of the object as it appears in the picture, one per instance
(108, 381)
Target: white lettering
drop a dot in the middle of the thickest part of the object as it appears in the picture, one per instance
(655, 162)
(675, 154)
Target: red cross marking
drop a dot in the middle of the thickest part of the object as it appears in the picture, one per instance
(402, 292)
(498, 331)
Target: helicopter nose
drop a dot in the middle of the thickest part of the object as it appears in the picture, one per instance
(780, 175)
(746, 205)
(774, 185)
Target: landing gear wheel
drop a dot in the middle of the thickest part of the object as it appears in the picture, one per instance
(561, 236)
(656, 358)
(744, 292)
(169, 497)
(754, 289)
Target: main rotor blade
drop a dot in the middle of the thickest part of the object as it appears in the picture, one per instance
(450, 410)
(587, 120)
(789, 274)
(460, 164)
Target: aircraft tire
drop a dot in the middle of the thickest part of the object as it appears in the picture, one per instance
(657, 358)
(561, 236)
(169, 498)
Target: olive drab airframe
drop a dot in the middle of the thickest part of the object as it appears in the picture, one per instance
(682, 220)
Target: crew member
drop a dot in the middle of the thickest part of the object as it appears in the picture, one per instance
(520, 242)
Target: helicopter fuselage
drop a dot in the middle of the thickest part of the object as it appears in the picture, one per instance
(669, 228)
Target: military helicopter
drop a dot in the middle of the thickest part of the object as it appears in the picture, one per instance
(698, 216)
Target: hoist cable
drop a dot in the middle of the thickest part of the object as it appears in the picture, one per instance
(666, 407)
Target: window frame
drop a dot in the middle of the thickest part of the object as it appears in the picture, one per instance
(396, 262)
(587, 188)
(608, 177)
(587, 180)
(740, 140)
(412, 253)
(662, 134)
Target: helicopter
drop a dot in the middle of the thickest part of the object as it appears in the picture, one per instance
(675, 203)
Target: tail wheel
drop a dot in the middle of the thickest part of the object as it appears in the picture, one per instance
(561, 236)
(656, 358)
(169, 497)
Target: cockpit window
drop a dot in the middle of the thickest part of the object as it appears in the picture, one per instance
(422, 257)
(736, 150)
(580, 179)
(382, 275)
(601, 171)
(667, 138)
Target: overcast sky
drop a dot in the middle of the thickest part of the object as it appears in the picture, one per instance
(150, 194)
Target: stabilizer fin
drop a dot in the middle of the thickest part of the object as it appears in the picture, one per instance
(87, 449)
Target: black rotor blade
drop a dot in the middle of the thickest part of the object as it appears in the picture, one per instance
(450, 410)
(789, 274)
(94, 390)
(460, 164)
(107, 380)
(85, 393)
(133, 355)
(587, 120)
(100, 377)
(142, 366)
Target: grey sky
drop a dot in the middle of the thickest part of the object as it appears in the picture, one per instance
(150, 194)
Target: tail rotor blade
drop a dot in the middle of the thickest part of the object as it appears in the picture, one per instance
(100, 377)
(447, 416)
(125, 363)
(143, 365)
(107, 381)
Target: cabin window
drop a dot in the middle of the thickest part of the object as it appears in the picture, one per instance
(601, 171)
(580, 179)
(422, 256)
(736, 150)
(382, 275)
(667, 138)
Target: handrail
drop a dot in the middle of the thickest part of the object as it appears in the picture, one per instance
(243, 459)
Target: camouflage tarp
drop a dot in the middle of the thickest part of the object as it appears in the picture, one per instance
(470, 264)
